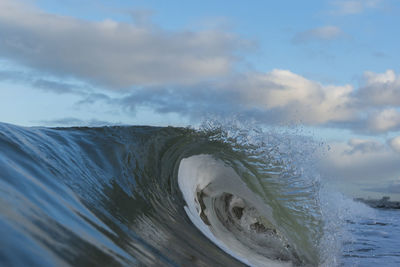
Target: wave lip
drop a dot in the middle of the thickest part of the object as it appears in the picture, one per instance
(225, 210)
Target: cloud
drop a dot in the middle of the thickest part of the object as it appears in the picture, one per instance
(380, 89)
(194, 102)
(141, 16)
(12, 75)
(392, 188)
(321, 34)
(378, 99)
(279, 96)
(395, 143)
(56, 86)
(384, 120)
(379, 78)
(364, 146)
(294, 97)
(351, 7)
(44, 84)
(358, 161)
(109, 53)
(276, 97)
(361, 165)
(92, 98)
(192, 74)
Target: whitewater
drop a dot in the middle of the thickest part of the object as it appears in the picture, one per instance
(165, 196)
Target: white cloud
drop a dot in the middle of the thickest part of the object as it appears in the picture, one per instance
(372, 78)
(111, 53)
(326, 33)
(395, 144)
(296, 97)
(349, 7)
(384, 120)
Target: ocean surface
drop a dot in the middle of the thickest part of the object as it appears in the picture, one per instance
(164, 196)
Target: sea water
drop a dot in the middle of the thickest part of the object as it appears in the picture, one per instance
(165, 196)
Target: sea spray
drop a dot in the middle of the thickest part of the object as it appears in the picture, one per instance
(284, 162)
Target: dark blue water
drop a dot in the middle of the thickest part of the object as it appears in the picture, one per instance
(374, 239)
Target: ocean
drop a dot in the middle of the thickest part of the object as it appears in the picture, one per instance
(166, 196)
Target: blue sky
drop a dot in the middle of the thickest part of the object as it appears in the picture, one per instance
(332, 66)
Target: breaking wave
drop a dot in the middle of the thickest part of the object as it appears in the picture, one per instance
(160, 196)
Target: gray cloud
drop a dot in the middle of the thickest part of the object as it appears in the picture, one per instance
(275, 97)
(370, 121)
(377, 103)
(92, 98)
(14, 76)
(391, 189)
(394, 143)
(364, 146)
(109, 53)
(380, 165)
(321, 34)
(44, 84)
(56, 87)
(194, 102)
(380, 89)
(141, 16)
(361, 165)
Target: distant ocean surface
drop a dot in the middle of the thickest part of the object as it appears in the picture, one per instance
(373, 240)
(165, 196)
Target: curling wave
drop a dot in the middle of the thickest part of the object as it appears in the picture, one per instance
(155, 196)
(231, 214)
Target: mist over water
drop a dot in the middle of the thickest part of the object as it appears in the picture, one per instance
(221, 195)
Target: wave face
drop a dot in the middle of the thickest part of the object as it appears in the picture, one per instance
(151, 196)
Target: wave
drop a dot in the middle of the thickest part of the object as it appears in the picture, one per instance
(157, 196)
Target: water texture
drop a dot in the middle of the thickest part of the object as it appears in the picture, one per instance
(154, 196)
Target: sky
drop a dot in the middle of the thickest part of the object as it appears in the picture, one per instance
(331, 66)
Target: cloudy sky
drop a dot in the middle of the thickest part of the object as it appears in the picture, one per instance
(330, 65)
